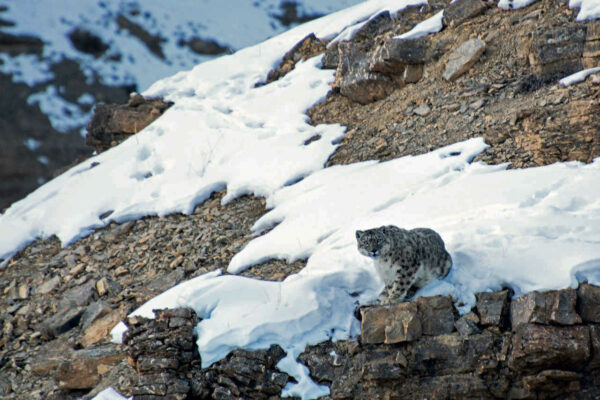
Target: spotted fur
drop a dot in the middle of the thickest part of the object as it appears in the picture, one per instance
(405, 260)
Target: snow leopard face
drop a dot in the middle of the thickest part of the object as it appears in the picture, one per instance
(372, 242)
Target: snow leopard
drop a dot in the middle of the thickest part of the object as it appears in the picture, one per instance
(406, 260)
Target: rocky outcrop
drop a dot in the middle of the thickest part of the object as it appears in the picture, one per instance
(412, 350)
(308, 47)
(113, 123)
(163, 352)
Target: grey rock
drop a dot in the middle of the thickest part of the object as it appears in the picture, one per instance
(466, 326)
(492, 307)
(412, 73)
(464, 58)
(462, 10)
(356, 81)
(422, 110)
(94, 311)
(589, 302)
(64, 320)
(80, 295)
(48, 285)
(394, 54)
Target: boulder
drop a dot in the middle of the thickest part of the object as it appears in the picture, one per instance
(539, 347)
(493, 307)
(462, 10)
(589, 302)
(464, 58)
(391, 324)
(112, 123)
(558, 51)
(437, 314)
(393, 56)
(550, 307)
(84, 368)
(308, 47)
(356, 81)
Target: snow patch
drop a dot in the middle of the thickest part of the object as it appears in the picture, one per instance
(578, 76)
(430, 25)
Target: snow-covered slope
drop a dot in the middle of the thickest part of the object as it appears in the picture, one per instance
(529, 229)
(135, 42)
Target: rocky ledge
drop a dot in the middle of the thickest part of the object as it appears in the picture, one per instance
(541, 345)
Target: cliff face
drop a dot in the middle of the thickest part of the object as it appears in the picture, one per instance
(60, 303)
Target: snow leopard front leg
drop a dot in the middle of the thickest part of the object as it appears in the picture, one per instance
(397, 291)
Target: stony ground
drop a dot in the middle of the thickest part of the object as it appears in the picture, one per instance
(58, 304)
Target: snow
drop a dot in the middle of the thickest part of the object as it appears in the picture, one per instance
(32, 144)
(110, 394)
(128, 61)
(588, 9)
(578, 76)
(430, 25)
(64, 116)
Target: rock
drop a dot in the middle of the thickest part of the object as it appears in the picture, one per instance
(106, 286)
(48, 285)
(466, 326)
(64, 320)
(462, 10)
(423, 110)
(79, 295)
(20, 44)
(330, 58)
(374, 26)
(308, 47)
(539, 347)
(589, 302)
(206, 46)
(412, 73)
(595, 343)
(403, 325)
(86, 42)
(464, 58)
(135, 99)
(393, 56)
(493, 307)
(555, 306)
(356, 81)
(84, 368)
(94, 311)
(551, 382)
(557, 51)
(437, 314)
(100, 328)
(112, 123)
(23, 291)
(373, 322)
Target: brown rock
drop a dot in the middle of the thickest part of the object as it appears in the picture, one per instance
(355, 80)
(403, 325)
(464, 58)
(437, 314)
(467, 326)
(84, 368)
(589, 302)
(412, 73)
(101, 327)
(462, 10)
(554, 306)
(552, 382)
(115, 123)
(492, 307)
(48, 285)
(373, 324)
(539, 347)
(62, 321)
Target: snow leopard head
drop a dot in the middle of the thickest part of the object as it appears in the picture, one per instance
(372, 242)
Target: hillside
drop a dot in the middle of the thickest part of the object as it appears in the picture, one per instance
(59, 60)
(499, 157)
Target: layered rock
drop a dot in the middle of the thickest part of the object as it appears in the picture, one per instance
(113, 123)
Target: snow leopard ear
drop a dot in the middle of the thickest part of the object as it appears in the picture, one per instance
(359, 234)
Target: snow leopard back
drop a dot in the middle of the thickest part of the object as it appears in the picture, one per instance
(406, 260)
